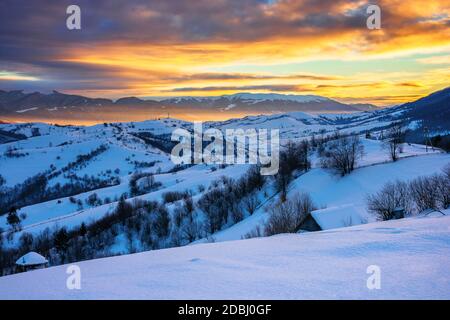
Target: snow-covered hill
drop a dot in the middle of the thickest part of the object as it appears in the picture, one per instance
(60, 146)
(64, 178)
(413, 256)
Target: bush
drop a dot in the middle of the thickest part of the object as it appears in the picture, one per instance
(255, 233)
(172, 196)
(93, 200)
(13, 220)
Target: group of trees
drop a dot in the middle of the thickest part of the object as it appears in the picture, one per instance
(142, 182)
(441, 141)
(145, 224)
(295, 157)
(394, 140)
(173, 196)
(342, 152)
(420, 194)
(12, 152)
(36, 190)
(80, 162)
(32, 190)
(225, 203)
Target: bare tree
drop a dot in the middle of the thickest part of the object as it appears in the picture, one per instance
(392, 196)
(442, 186)
(191, 230)
(430, 192)
(342, 154)
(287, 217)
(304, 205)
(394, 141)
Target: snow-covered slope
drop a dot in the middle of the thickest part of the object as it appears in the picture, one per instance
(412, 254)
(328, 190)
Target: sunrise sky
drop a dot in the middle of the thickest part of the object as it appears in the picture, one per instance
(159, 48)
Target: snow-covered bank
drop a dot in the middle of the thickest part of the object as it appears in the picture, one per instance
(413, 255)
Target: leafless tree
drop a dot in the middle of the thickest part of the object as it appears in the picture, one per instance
(394, 141)
(392, 196)
(287, 216)
(191, 230)
(431, 192)
(442, 185)
(342, 154)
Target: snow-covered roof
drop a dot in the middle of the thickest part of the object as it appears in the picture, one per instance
(31, 259)
(337, 217)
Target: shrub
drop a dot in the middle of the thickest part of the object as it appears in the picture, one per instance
(93, 200)
(257, 232)
(13, 219)
(172, 196)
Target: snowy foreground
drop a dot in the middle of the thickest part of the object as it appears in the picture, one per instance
(413, 255)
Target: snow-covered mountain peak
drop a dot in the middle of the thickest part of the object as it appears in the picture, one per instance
(275, 97)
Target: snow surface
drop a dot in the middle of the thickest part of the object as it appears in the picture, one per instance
(338, 217)
(413, 256)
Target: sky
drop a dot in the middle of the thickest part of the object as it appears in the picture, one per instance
(161, 48)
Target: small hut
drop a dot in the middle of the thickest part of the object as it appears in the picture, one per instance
(399, 213)
(30, 261)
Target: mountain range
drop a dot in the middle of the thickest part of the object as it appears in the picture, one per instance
(17, 105)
